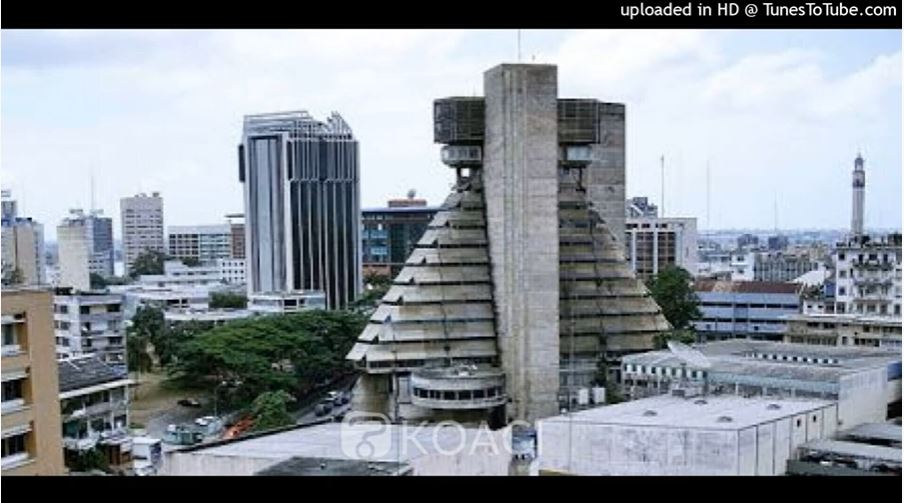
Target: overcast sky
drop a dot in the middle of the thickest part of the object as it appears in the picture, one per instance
(778, 115)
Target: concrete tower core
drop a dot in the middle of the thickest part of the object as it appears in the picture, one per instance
(521, 187)
(518, 299)
(858, 188)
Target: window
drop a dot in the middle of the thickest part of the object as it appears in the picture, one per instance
(9, 335)
(14, 445)
(12, 390)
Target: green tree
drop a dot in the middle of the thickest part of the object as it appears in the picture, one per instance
(269, 410)
(91, 459)
(254, 352)
(149, 326)
(375, 287)
(673, 290)
(97, 281)
(191, 261)
(228, 300)
(147, 262)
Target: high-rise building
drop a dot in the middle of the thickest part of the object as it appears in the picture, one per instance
(858, 189)
(22, 244)
(517, 299)
(390, 234)
(32, 441)
(652, 244)
(142, 226)
(85, 247)
(302, 209)
(204, 244)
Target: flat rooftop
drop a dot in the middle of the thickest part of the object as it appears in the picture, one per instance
(707, 412)
(732, 357)
(332, 467)
(391, 443)
(855, 449)
(874, 431)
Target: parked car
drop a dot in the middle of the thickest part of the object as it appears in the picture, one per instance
(322, 409)
(189, 402)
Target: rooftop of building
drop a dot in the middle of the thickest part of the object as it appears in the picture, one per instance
(722, 286)
(199, 229)
(330, 440)
(301, 466)
(855, 450)
(286, 295)
(874, 431)
(400, 209)
(714, 412)
(826, 363)
(846, 318)
(86, 371)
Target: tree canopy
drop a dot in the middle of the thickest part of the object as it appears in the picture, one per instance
(269, 410)
(228, 300)
(673, 290)
(290, 352)
(147, 262)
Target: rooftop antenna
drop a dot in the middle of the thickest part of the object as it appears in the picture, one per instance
(662, 184)
(707, 196)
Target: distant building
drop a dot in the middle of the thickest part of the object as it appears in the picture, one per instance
(668, 435)
(866, 449)
(865, 382)
(137, 296)
(142, 226)
(205, 315)
(777, 242)
(94, 400)
(232, 270)
(22, 243)
(302, 208)
(868, 276)
(90, 323)
(237, 237)
(202, 243)
(408, 202)
(654, 243)
(844, 330)
(85, 247)
(640, 207)
(32, 444)
(747, 241)
(779, 266)
(177, 275)
(726, 265)
(745, 309)
(389, 235)
(286, 302)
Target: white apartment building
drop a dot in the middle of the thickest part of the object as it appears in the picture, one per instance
(142, 226)
(90, 323)
(85, 242)
(652, 243)
(733, 265)
(204, 243)
(177, 275)
(232, 270)
(868, 276)
(286, 302)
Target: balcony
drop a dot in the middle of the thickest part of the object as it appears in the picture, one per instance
(12, 350)
(14, 405)
(14, 460)
(458, 388)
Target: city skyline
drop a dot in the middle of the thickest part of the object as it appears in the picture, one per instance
(140, 112)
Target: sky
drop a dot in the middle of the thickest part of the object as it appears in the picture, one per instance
(778, 116)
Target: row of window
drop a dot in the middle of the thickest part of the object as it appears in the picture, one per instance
(15, 445)
(664, 371)
(458, 394)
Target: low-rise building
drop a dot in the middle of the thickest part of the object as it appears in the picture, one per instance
(286, 302)
(782, 266)
(867, 449)
(725, 265)
(844, 330)
(427, 450)
(90, 323)
(865, 382)
(94, 400)
(669, 435)
(652, 244)
(32, 444)
(745, 309)
(178, 275)
(206, 316)
(232, 270)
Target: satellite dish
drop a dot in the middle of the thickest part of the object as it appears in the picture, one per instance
(690, 355)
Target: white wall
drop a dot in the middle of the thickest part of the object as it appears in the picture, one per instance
(863, 398)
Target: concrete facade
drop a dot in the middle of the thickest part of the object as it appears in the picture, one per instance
(606, 173)
(653, 243)
(86, 324)
(32, 441)
(142, 226)
(22, 243)
(520, 183)
(203, 243)
(714, 435)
